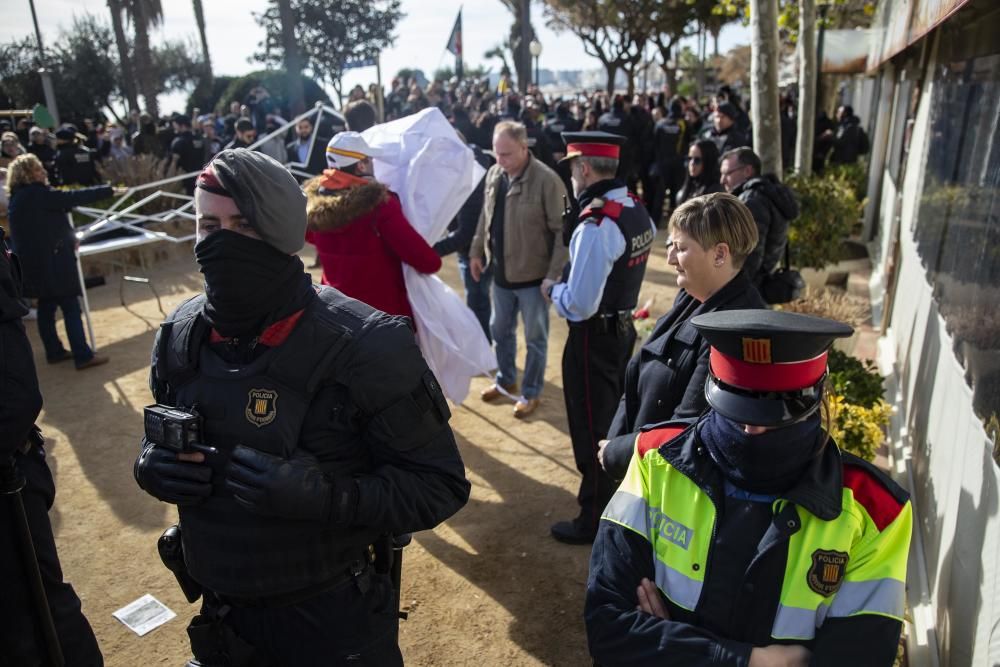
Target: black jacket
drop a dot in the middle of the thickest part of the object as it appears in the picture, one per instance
(317, 159)
(773, 206)
(728, 140)
(20, 399)
(463, 227)
(43, 238)
(666, 377)
(850, 143)
(76, 165)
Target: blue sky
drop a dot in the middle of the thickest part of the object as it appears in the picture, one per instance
(233, 34)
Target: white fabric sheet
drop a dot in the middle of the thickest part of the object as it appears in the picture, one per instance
(433, 172)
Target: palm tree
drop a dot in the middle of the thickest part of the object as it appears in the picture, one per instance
(199, 17)
(128, 78)
(145, 14)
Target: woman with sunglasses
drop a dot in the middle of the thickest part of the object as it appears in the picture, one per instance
(710, 237)
(702, 171)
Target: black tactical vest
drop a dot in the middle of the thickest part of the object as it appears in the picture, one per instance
(621, 290)
(262, 405)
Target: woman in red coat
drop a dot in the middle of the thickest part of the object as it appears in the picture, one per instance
(359, 230)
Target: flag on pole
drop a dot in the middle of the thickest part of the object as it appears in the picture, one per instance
(455, 43)
(455, 39)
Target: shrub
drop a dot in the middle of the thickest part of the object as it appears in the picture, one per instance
(855, 175)
(857, 429)
(276, 82)
(829, 208)
(857, 382)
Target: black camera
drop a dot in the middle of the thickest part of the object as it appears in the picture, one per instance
(174, 428)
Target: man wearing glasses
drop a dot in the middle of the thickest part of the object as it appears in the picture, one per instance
(772, 204)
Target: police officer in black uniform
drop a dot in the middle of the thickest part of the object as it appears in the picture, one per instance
(319, 432)
(23, 618)
(187, 150)
(608, 253)
(74, 164)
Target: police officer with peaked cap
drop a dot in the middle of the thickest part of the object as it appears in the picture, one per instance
(74, 164)
(747, 535)
(608, 252)
(322, 431)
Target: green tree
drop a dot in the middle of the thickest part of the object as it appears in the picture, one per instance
(613, 32)
(329, 34)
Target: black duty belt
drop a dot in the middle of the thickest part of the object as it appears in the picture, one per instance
(352, 572)
(606, 322)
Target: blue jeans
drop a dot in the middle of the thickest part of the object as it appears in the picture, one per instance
(477, 294)
(70, 306)
(535, 315)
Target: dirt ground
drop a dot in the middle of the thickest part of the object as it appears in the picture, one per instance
(488, 587)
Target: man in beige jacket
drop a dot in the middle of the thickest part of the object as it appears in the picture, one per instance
(520, 237)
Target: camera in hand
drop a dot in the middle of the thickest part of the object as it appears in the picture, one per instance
(174, 428)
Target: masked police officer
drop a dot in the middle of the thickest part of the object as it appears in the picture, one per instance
(608, 253)
(320, 431)
(74, 164)
(748, 537)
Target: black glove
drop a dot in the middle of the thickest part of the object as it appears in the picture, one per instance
(289, 488)
(160, 474)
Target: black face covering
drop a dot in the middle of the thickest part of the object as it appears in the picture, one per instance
(249, 283)
(769, 462)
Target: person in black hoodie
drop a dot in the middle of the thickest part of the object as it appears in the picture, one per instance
(772, 204)
(710, 240)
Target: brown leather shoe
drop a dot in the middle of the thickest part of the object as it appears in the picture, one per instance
(93, 361)
(525, 406)
(492, 392)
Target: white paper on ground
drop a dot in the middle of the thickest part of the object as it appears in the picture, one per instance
(145, 614)
(433, 172)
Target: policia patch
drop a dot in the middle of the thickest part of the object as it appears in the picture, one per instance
(262, 407)
(827, 571)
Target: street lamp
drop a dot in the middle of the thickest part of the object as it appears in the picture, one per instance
(47, 89)
(535, 48)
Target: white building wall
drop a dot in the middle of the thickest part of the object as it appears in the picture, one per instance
(940, 450)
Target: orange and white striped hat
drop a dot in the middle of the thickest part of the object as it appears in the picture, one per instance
(346, 148)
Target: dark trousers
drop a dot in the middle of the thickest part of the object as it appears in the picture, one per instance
(72, 321)
(477, 293)
(22, 640)
(352, 625)
(593, 368)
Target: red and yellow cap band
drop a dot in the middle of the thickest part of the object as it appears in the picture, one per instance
(767, 377)
(593, 150)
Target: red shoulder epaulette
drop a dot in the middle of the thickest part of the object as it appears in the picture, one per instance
(606, 208)
(881, 497)
(657, 437)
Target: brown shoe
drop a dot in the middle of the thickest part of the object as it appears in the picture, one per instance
(93, 361)
(492, 392)
(525, 406)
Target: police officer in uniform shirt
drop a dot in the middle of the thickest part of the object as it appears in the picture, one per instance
(746, 537)
(608, 253)
(322, 432)
(187, 150)
(74, 164)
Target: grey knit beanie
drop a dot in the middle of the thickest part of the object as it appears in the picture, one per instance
(267, 195)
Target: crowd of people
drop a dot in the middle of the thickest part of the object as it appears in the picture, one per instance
(724, 522)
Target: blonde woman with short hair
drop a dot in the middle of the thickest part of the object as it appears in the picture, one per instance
(710, 238)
